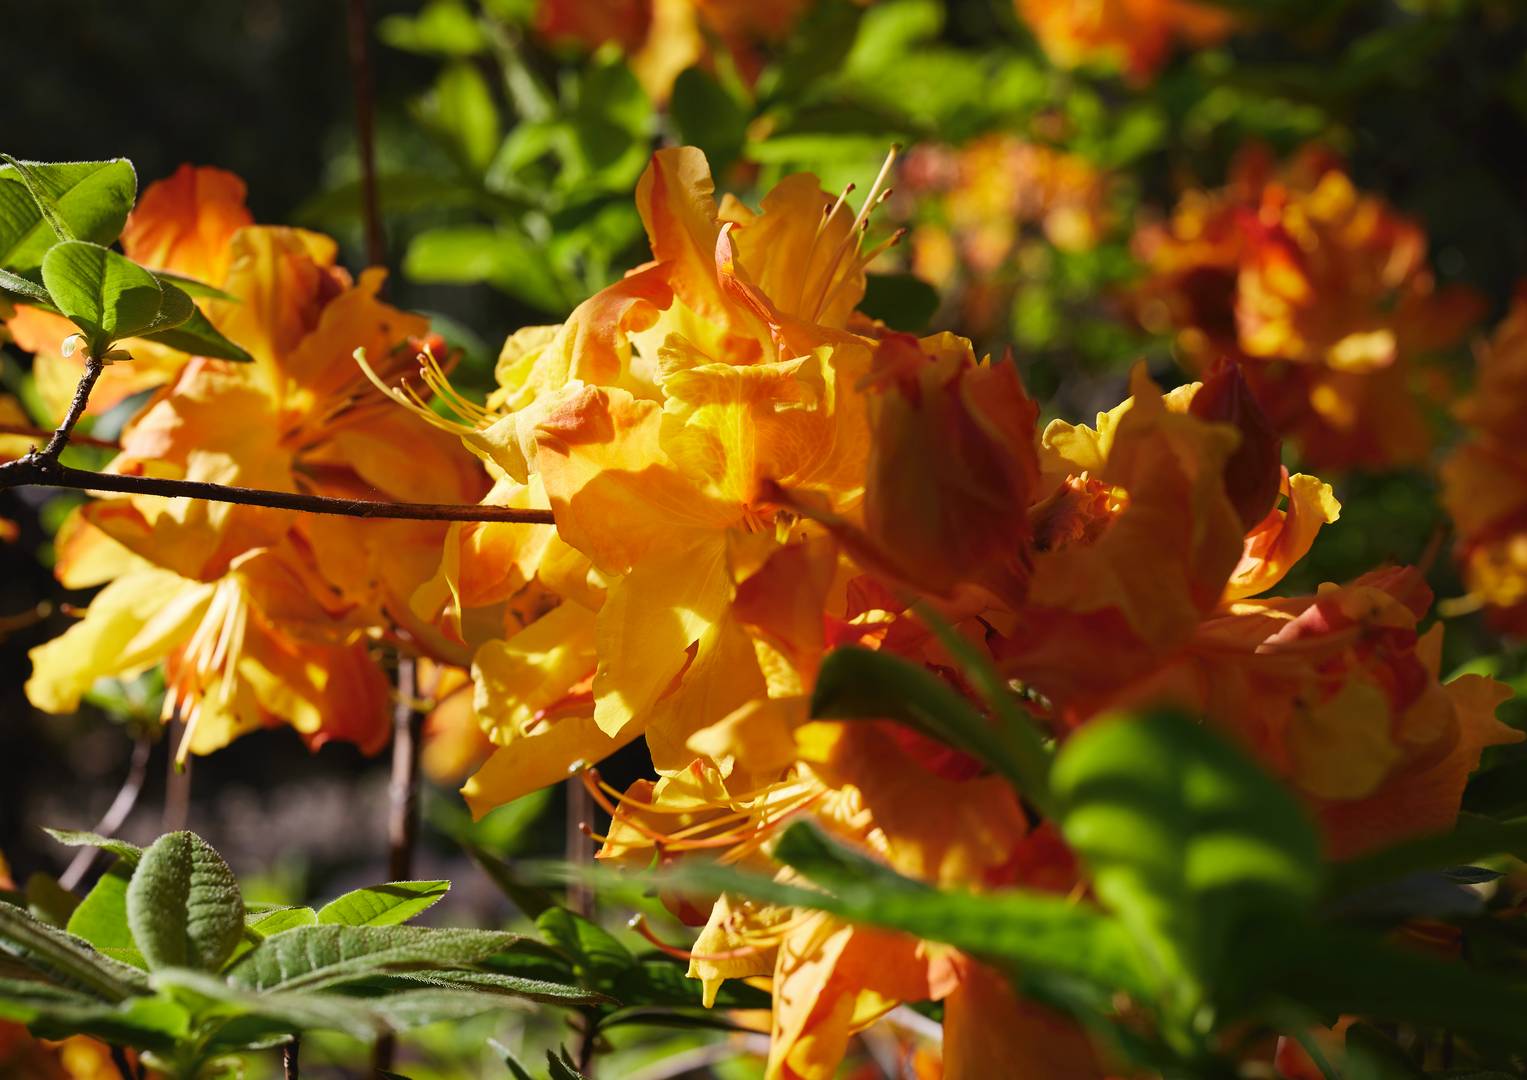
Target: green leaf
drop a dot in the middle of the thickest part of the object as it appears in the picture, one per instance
(129, 853)
(596, 954)
(102, 293)
(198, 337)
(269, 923)
(461, 111)
(207, 995)
(442, 28)
(501, 256)
(192, 287)
(1335, 971)
(146, 1022)
(512, 1063)
(183, 905)
(24, 288)
(708, 117)
(317, 956)
(48, 900)
(93, 197)
(857, 683)
(1203, 855)
(42, 197)
(64, 958)
(902, 301)
(486, 982)
(383, 905)
(101, 918)
(561, 1068)
(416, 1008)
(1031, 758)
(1012, 928)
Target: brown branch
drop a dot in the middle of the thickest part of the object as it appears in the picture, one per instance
(115, 816)
(27, 431)
(365, 126)
(60, 437)
(402, 807)
(289, 1058)
(35, 470)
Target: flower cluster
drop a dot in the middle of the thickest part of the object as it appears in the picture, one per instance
(1134, 37)
(746, 473)
(258, 616)
(1323, 292)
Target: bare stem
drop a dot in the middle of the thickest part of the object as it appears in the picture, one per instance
(116, 813)
(402, 805)
(39, 471)
(365, 126)
(289, 1058)
(177, 783)
(60, 438)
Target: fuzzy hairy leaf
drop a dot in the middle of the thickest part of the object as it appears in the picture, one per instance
(487, 982)
(82, 838)
(66, 959)
(316, 956)
(383, 905)
(93, 198)
(596, 954)
(183, 905)
(295, 1011)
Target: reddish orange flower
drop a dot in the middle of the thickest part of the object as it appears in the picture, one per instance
(1324, 290)
(1485, 480)
(1339, 694)
(1135, 37)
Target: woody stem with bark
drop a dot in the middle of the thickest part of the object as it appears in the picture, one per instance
(48, 455)
(289, 1059)
(36, 470)
(116, 813)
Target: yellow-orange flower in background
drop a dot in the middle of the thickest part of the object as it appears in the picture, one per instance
(24, 1057)
(1326, 293)
(184, 225)
(1485, 479)
(663, 37)
(1134, 37)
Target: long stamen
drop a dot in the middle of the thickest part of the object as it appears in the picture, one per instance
(639, 924)
(852, 236)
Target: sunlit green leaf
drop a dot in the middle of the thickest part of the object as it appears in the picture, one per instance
(183, 904)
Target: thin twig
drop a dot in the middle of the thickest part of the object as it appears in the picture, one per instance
(365, 127)
(289, 1058)
(27, 431)
(60, 437)
(402, 804)
(177, 783)
(116, 813)
(403, 791)
(34, 471)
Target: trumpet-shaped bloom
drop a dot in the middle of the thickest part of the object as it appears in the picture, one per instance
(1325, 290)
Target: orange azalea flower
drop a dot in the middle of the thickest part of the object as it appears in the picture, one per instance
(263, 616)
(663, 37)
(1324, 291)
(1132, 36)
(23, 1057)
(1485, 480)
(1338, 693)
(662, 422)
(182, 225)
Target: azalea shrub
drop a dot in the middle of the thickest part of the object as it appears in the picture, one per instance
(999, 529)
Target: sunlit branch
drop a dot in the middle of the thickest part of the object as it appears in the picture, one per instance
(37, 471)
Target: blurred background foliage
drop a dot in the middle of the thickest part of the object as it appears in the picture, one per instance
(508, 144)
